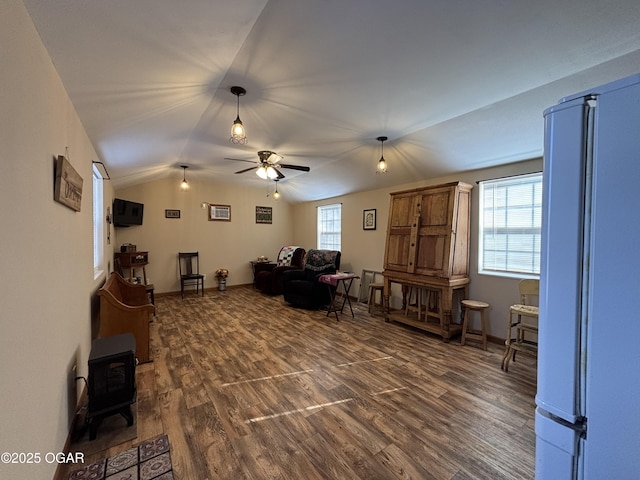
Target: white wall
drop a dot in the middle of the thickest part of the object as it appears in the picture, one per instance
(365, 248)
(221, 244)
(47, 257)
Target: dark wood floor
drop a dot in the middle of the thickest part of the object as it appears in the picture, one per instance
(246, 387)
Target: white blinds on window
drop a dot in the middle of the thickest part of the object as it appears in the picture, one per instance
(510, 221)
(330, 226)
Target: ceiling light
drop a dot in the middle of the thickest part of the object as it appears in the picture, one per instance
(267, 172)
(276, 194)
(382, 163)
(184, 185)
(238, 134)
(262, 172)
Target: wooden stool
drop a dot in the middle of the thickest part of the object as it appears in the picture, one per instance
(479, 335)
(373, 305)
(419, 307)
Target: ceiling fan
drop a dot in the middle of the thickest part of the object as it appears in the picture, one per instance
(268, 166)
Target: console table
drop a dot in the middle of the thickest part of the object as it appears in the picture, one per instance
(133, 260)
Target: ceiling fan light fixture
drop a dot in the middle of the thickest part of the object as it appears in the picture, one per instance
(271, 173)
(267, 172)
(262, 172)
(382, 163)
(238, 133)
(184, 186)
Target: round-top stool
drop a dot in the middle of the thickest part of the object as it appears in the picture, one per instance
(468, 333)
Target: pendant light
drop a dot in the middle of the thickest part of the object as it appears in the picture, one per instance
(238, 134)
(276, 194)
(184, 186)
(382, 163)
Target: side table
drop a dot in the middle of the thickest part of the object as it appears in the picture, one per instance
(262, 264)
(335, 280)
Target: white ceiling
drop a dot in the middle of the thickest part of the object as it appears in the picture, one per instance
(455, 85)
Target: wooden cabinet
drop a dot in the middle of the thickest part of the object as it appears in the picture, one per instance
(427, 249)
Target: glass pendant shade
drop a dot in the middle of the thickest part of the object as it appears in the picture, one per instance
(382, 166)
(184, 185)
(238, 133)
(237, 129)
(382, 163)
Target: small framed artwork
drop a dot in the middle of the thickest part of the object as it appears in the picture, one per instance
(67, 188)
(221, 213)
(172, 214)
(369, 219)
(264, 215)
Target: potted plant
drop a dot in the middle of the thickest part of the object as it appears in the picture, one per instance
(221, 276)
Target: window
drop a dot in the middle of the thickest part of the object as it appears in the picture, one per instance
(510, 220)
(98, 232)
(330, 226)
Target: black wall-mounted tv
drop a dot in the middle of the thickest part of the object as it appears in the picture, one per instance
(126, 213)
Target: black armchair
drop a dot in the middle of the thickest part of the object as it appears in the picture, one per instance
(302, 288)
(268, 276)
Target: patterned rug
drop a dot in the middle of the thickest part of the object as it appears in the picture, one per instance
(149, 460)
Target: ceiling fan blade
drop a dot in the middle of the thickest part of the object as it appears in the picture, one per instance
(240, 160)
(246, 170)
(280, 175)
(295, 167)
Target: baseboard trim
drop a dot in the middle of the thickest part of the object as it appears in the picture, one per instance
(209, 289)
(74, 423)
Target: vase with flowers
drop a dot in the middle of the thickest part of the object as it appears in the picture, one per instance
(221, 276)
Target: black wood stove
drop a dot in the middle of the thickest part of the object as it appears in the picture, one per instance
(112, 379)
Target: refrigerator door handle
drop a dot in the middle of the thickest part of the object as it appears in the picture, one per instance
(579, 427)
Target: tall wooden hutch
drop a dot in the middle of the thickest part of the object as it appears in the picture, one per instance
(427, 249)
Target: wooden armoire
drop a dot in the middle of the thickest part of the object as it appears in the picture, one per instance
(427, 253)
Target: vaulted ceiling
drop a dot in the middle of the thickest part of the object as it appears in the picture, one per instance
(455, 85)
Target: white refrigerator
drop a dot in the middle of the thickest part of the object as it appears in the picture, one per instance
(587, 419)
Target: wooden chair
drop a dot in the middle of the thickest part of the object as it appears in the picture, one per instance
(189, 265)
(522, 332)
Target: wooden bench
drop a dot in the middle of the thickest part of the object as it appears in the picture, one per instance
(125, 308)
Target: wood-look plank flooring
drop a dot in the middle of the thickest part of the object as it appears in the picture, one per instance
(247, 387)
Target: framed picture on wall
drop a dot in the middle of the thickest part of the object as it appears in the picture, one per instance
(67, 188)
(264, 215)
(369, 219)
(172, 214)
(221, 213)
